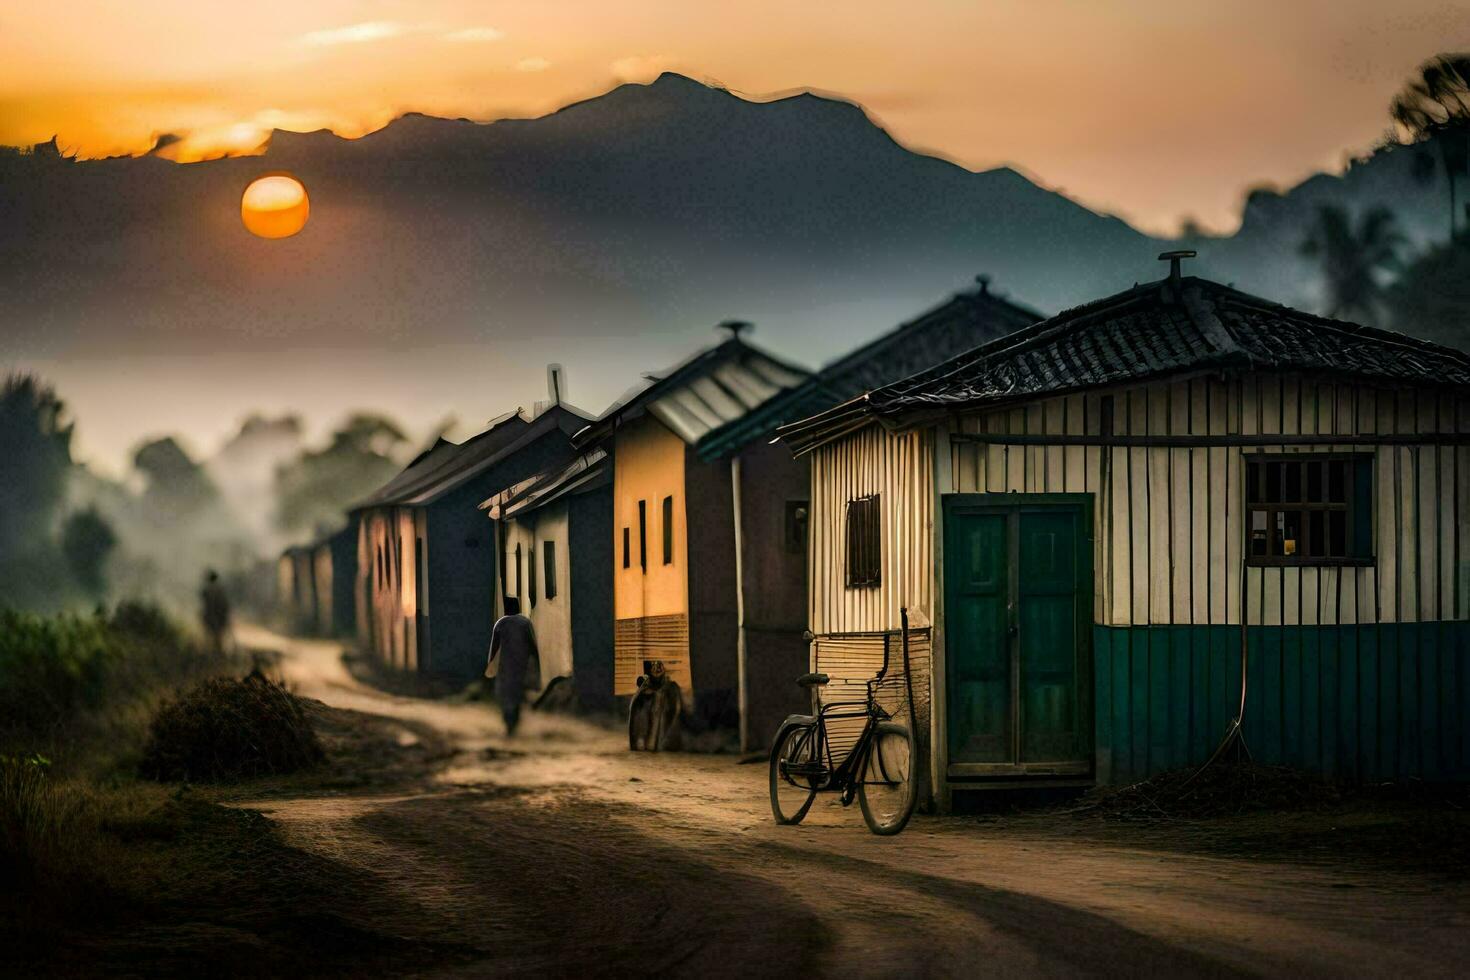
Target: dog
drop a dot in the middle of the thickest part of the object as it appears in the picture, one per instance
(653, 717)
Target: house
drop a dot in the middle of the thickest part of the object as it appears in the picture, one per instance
(334, 573)
(556, 556)
(773, 493)
(675, 559)
(296, 588)
(1123, 528)
(426, 559)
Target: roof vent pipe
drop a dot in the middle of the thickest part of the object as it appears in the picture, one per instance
(984, 281)
(1174, 259)
(736, 327)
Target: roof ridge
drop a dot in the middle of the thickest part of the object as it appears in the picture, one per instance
(1214, 329)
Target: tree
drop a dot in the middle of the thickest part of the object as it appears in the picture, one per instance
(35, 457)
(87, 541)
(1434, 110)
(177, 488)
(312, 491)
(1352, 259)
(1431, 299)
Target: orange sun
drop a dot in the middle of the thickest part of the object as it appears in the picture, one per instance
(275, 206)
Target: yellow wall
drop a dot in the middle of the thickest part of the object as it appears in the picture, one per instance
(650, 467)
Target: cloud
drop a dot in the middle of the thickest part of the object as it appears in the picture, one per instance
(474, 34)
(641, 67)
(532, 64)
(369, 30)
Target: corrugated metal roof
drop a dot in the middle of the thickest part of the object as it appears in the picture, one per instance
(716, 386)
(583, 473)
(961, 323)
(1151, 330)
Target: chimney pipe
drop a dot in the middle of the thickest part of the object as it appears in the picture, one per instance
(1175, 258)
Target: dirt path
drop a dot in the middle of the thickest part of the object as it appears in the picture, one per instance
(559, 849)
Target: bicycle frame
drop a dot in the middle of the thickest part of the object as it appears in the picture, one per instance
(849, 774)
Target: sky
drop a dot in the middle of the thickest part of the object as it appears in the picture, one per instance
(1154, 110)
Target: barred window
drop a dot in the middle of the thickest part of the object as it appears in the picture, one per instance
(864, 542)
(1309, 509)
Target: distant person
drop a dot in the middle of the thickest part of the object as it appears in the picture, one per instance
(513, 641)
(214, 611)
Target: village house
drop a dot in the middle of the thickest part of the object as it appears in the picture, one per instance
(296, 597)
(675, 559)
(427, 568)
(556, 556)
(334, 574)
(1123, 528)
(771, 525)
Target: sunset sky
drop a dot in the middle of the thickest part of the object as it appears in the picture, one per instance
(1152, 109)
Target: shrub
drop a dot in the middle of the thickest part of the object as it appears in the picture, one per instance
(50, 667)
(225, 728)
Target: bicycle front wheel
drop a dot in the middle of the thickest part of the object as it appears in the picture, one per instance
(792, 792)
(889, 789)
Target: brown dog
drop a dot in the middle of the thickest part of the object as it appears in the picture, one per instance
(653, 717)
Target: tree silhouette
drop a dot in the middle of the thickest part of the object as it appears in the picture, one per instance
(87, 540)
(1431, 299)
(1353, 258)
(35, 457)
(313, 491)
(1434, 110)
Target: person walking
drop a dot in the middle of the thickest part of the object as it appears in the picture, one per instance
(214, 611)
(512, 645)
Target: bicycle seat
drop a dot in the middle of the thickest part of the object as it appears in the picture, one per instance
(812, 680)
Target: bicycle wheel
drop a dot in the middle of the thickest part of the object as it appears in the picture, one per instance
(889, 790)
(792, 795)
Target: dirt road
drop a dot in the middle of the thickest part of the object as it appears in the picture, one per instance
(558, 850)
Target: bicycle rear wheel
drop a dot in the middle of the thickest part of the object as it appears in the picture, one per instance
(792, 793)
(889, 790)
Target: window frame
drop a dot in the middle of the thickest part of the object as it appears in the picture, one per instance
(643, 535)
(1350, 508)
(869, 510)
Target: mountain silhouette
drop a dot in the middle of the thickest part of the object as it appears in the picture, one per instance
(606, 235)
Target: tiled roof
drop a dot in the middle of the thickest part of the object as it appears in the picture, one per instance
(961, 323)
(1152, 330)
(717, 385)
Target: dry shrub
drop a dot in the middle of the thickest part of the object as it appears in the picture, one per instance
(226, 729)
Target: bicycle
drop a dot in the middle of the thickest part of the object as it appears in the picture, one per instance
(879, 771)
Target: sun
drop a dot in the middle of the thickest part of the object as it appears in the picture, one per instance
(275, 206)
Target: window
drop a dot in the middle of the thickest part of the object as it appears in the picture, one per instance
(643, 535)
(531, 574)
(549, 563)
(864, 549)
(668, 530)
(1312, 509)
(625, 548)
(380, 567)
(518, 572)
(797, 512)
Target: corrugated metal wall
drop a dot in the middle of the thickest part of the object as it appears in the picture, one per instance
(900, 469)
(1170, 521)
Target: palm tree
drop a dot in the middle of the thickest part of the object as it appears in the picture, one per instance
(1434, 110)
(1353, 258)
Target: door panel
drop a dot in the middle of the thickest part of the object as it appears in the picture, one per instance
(1048, 641)
(1017, 585)
(980, 723)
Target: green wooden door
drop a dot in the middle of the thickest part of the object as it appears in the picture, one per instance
(1017, 629)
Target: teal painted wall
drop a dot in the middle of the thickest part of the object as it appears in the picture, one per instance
(1366, 702)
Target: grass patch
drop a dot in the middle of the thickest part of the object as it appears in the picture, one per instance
(224, 729)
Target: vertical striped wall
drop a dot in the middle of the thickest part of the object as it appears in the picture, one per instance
(900, 469)
(1170, 521)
